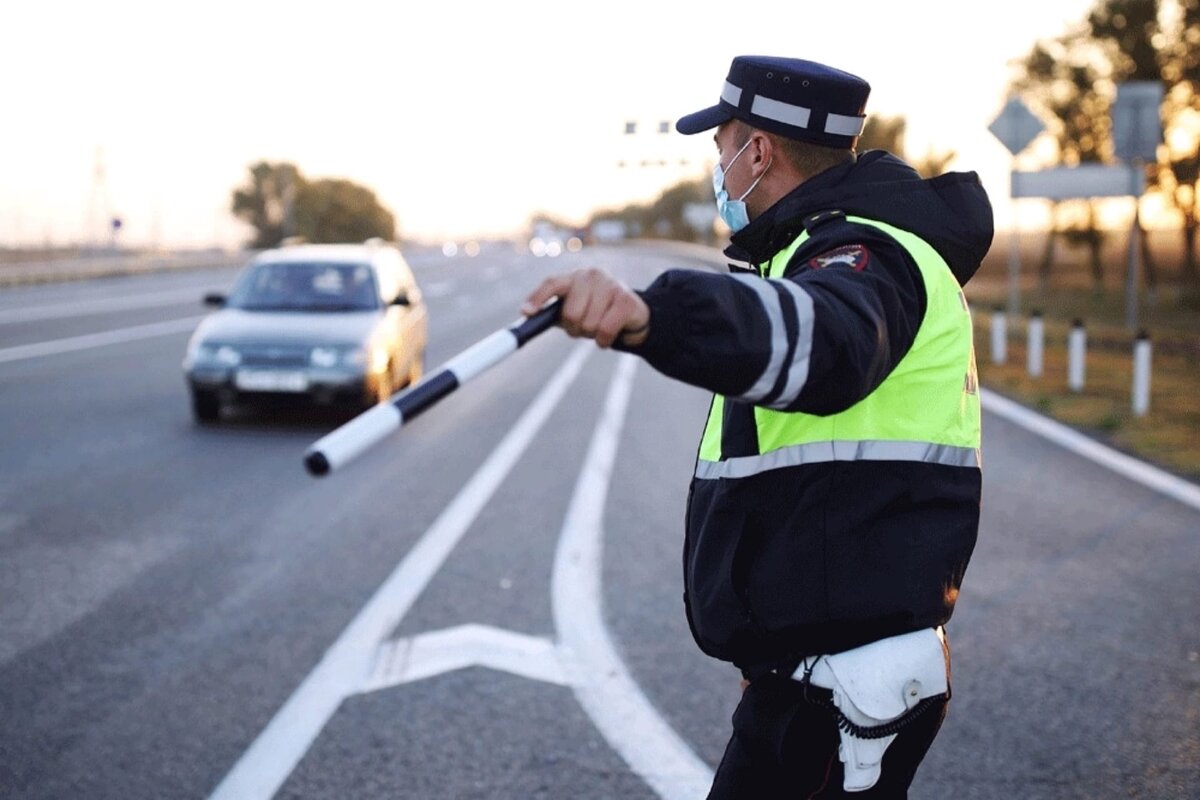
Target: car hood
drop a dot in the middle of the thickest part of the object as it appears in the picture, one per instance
(234, 326)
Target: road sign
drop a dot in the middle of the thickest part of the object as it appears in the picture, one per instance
(1016, 126)
(1086, 180)
(700, 216)
(1136, 124)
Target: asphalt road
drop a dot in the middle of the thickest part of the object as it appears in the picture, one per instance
(487, 605)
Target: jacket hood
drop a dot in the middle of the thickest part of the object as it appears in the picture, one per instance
(951, 212)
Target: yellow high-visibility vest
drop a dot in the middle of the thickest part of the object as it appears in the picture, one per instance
(926, 410)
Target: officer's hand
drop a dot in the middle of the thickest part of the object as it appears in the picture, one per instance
(595, 305)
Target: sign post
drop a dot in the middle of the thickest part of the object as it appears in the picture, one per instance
(1137, 131)
(1015, 126)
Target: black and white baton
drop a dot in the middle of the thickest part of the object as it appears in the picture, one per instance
(344, 443)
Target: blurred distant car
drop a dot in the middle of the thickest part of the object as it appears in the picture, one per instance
(334, 324)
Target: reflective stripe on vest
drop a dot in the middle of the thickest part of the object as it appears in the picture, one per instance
(926, 410)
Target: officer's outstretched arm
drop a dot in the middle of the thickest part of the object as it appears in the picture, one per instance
(817, 340)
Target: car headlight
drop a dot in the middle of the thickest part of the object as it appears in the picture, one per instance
(222, 354)
(373, 359)
(324, 357)
(228, 356)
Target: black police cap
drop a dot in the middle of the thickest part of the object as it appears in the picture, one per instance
(790, 97)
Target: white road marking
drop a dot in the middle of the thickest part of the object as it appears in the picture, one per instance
(361, 661)
(90, 340)
(345, 667)
(77, 308)
(1135, 470)
(438, 289)
(604, 687)
(430, 654)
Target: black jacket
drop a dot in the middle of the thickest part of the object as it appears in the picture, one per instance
(822, 557)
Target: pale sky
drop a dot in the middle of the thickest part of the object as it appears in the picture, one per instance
(464, 117)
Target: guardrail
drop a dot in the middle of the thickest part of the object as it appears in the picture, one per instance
(102, 265)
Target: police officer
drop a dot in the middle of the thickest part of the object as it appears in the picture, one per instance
(835, 502)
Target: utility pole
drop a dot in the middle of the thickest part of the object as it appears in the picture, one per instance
(99, 209)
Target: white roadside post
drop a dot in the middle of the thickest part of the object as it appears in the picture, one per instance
(999, 337)
(1037, 345)
(1076, 356)
(1141, 374)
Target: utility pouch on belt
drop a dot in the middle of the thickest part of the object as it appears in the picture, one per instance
(877, 690)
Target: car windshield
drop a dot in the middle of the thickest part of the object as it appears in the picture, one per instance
(306, 287)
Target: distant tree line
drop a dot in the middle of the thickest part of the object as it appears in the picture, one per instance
(279, 203)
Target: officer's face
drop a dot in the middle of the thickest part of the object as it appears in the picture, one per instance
(737, 173)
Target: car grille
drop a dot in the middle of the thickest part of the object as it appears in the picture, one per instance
(274, 356)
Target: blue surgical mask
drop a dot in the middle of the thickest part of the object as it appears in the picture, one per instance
(733, 211)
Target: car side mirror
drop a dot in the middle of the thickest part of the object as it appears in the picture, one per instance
(214, 299)
(401, 299)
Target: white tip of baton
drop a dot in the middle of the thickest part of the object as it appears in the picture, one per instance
(346, 442)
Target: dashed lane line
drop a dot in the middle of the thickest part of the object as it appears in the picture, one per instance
(99, 305)
(87, 341)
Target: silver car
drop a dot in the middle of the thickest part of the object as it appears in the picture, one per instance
(335, 323)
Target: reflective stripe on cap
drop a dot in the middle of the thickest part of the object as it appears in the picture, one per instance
(789, 114)
(731, 94)
(780, 111)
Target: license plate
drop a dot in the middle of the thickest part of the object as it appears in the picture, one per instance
(269, 380)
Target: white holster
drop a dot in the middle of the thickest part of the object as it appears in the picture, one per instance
(876, 684)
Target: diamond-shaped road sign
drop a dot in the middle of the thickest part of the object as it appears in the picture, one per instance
(1016, 126)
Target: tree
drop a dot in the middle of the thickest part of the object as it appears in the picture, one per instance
(1063, 75)
(883, 133)
(1128, 30)
(337, 210)
(1124, 40)
(888, 133)
(1181, 179)
(268, 202)
(279, 202)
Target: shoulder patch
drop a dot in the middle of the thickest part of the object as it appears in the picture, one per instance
(854, 256)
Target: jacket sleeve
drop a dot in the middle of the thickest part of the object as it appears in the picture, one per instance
(818, 340)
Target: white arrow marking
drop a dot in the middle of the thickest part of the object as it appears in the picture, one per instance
(430, 654)
(586, 659)
(264, 767)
